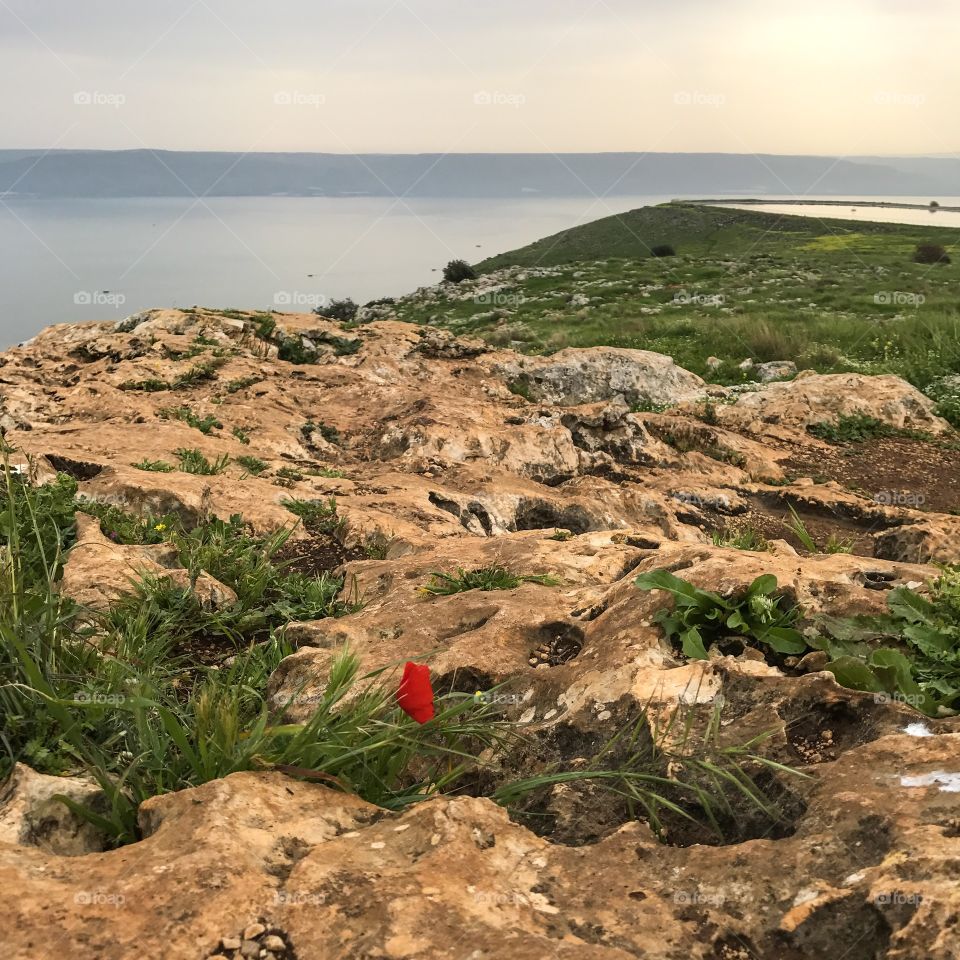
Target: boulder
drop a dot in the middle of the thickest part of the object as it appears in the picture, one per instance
(775, 370)
(31, 815)
(573, 377)
(814, 398)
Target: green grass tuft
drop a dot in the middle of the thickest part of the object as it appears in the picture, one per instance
(484, 578)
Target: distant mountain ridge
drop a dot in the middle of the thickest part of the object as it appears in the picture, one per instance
(163, 173)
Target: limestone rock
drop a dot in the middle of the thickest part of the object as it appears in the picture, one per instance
(435, 464)
(817, 398)
(775, 370)
(31, 816)
(572, 377)
(936, 540)
(98, 571)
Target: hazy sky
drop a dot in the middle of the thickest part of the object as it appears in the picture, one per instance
(780, 76)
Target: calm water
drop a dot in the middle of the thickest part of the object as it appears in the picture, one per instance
(75, 260)
(852, 212)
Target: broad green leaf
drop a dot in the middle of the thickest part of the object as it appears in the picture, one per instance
(855, 674)
(735, 620)
(910, 605)
(783, 640)
(763, 585)
(693, 645)
(686, 593)
(930, 641)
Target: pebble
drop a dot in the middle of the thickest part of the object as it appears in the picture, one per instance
(254, 931)
(230, 943)
(249, 948)
(274, 943)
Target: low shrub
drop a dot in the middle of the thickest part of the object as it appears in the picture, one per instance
(931, 253)
(344, 310)
(456, 271)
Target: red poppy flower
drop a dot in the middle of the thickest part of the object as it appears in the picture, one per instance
(415, 695)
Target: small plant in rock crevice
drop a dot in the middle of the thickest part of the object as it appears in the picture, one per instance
(833, 545)
(673, 771)
(746, 539)
(484, 578)
(318, 516)
(909, 655)
(700, 618)
(860, 427)
(253, 465)
(155, 466)
(193, 461)
(187, 416)
(241, 383)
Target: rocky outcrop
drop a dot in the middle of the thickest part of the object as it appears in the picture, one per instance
(572, 377)
(257, 855)
(814, 398)
(431, 456)
(98, 571)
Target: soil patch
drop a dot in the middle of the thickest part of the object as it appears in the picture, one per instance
(894, 471)
(322, 553)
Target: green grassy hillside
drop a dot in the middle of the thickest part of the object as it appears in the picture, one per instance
(831, 295)
(709, 231)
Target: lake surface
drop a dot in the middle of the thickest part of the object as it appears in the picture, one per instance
(76, 260)
(924, 217)
(66, 261)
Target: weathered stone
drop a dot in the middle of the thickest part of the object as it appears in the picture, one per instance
(814, 398)
(775, 370)
(572, 377)
(433, 460)
(32, 816)
(98, 571)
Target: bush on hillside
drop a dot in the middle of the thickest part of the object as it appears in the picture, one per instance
(663, 250)
(931, 253)
(456, 271)
(343, 310)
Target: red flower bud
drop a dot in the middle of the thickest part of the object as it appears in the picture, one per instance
(415, 695)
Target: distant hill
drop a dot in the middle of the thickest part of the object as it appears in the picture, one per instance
(699, 230)
(147, 173)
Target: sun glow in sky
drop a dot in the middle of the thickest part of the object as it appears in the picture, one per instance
(844, 77)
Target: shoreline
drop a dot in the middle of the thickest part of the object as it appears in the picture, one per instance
(879, 204)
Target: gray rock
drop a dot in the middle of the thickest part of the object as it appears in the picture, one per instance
(576, 376)
(776, 370)
(31, 817)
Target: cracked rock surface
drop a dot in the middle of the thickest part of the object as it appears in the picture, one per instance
(432, 456)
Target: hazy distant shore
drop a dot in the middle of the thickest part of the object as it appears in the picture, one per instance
(759, 201)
